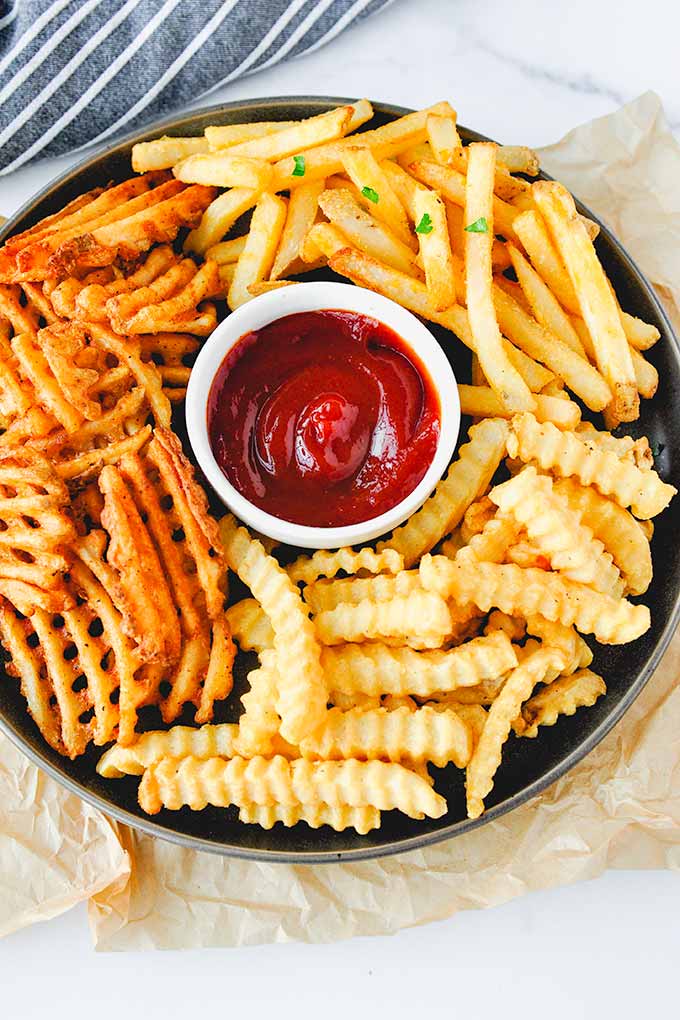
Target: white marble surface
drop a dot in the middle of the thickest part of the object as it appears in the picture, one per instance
(522, 71)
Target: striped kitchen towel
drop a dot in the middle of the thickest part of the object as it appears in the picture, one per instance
(76, 72)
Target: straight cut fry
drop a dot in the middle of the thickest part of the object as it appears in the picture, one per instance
(368, 176)
(503, 378)
(435, 248)
(257, 257)
(365, 231)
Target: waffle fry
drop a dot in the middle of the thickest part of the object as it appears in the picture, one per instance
(556, 530)
(178, 312)
(487, 754)
(399, 735)
(302, 691)
(338, 816)
(561, 697)
(530, 592)
(307, 569)
(567, 455)
(414, 616)
(467, 478)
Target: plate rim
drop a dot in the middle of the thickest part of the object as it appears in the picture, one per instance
(410, 843)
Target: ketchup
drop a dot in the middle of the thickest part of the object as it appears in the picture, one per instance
(323, 418)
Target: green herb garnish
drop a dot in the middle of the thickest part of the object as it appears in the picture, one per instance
(371, 194)
(425, 226)
(480, 226)
(299, 170)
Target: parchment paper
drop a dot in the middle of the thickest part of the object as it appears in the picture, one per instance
(620, 808)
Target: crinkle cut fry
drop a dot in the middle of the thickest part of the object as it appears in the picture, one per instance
(329, 593)
(172, 783)
(401, 735)
(149, 613)
(250, 626)
(412, 616)
(528, 592)
(302, 690)
(327, 563)
(563, 696)
(376, 669)
(260, 722)
(178, 742)
(338, 816)
(467, 478)
(503, 711)
(566, 454)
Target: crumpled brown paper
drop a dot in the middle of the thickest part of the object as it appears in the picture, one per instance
(619, 808)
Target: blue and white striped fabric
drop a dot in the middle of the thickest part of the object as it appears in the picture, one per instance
(74, 72)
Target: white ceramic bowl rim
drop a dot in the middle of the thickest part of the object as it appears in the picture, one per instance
(307, 297)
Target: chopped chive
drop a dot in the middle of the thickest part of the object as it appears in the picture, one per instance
(299, 170)
(425, 226)
(371, 194)
(480, 226)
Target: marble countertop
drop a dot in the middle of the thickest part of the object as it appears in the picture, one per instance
(524, 72)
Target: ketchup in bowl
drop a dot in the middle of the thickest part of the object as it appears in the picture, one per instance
(323, 418)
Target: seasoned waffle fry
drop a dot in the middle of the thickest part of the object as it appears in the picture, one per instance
(414, 616)
(250, 626)
(487, 754)
(307, 569)
(556, 530)
(562, 697)
(399, 735)
(616, 528)
(323, 595)
(338, 816)
(467, 478)
(302, 692)
(528, 592)
(179, 312)
(375, 669)
(567, 455)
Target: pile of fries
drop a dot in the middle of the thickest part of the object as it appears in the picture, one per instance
(462, 626)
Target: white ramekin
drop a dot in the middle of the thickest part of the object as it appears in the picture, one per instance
(309, 297)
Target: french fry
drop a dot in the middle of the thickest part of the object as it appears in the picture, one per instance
(305, 134)
(579, 375)
(255, 262)
(264, 286)
(365, 231)
(482, 402)
(616, 528)
(487, 754)
(323, 240)
(226, 253)
(374, 669)
(338, 816)
(597, 305)
(519, 159)
(566, 454)
(443, 137)
(452, 185)
(259, 724)
(224, 171)
(561, 697)
(577, 653)
(171, 783)
(325, 563)
(219, 218)
(327, 594)
(503, 378)
(250, 626)
(224, 136)
(302, 209)
(165, 152)
(368, 176)
(506, 187)
(178, 742)
(556, 531)
(435, 248)
(467, 477)
(398, 736)
(545, 307)
(529, 592)
(416, 616)
(301, 692)
(176, 312)
(492, 543)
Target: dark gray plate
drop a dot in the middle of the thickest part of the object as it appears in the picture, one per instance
(529, 766)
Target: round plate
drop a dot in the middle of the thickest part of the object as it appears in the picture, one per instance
(529, 766)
